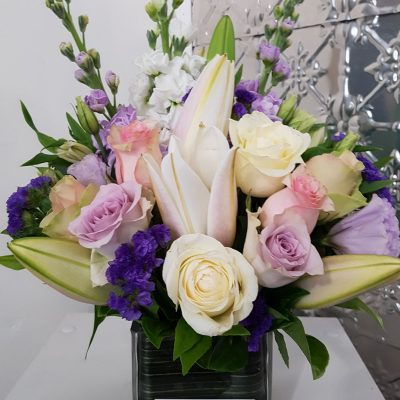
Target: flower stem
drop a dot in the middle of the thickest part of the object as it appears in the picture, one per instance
(264, 79)
(101, 147)
(164, 28)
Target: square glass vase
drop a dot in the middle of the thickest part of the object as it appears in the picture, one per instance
(155, 376)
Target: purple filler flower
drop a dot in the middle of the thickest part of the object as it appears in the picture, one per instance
(131, 271)
(258, 322)
(269, 105)
(269, 52)
(246, 91)
(239, 110)
(282, 69)
(374, 224)
(338, 137)
(89, 170)
(97, 100)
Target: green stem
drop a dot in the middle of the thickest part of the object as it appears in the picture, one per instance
(164, 29)
(71, 27)
(101, 147)
(83, 39)
(264, 79)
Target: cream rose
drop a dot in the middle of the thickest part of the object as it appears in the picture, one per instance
(214, 285)
(268, 151)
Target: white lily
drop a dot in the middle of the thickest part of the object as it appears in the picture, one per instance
(202, 125)
(186, 204)
(347, 276)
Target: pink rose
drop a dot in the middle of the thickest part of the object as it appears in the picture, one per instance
(304, 192)
(129, 143)
(283, 252)
(115, 214)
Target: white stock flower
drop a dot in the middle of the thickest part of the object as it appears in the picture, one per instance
(193, 64)
(268, 151)
(153, 63)
(214, 285)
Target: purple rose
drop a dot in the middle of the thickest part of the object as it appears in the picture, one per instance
(283, 251)
(282, 69)
(269, 52)
(89, 170)
(372, 230)
(97, 100)
(269, 105)
(115, 214)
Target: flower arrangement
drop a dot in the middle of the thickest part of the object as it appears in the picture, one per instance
(210, 209)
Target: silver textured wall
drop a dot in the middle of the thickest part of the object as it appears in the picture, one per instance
(345, 59)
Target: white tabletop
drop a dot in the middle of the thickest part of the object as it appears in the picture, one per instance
(60, 372)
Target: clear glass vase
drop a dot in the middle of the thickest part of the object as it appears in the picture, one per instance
(156, 377)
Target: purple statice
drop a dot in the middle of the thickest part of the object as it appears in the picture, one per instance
(372, 174)
(239, 110)
(338, 137)
(97, 100)
(258, 322)
(131, 271)
(269, 105)
(282, 69)
(375, 224)
(268, 52)
(186, 95)
(27, 206)
(246, 91)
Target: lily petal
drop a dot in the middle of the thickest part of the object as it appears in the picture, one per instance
(223, 206)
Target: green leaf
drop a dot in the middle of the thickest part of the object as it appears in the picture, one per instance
(78, 133)
(358, 305)
(370, 187)
(382, 162)
(230, 354)
(223, 40)
(362, 149)
(155, 329)
(276, 314)
(313, 349)
(280, 341)
(100, 314)
(164, 302)
(190, 357)
(315, 151)
(317, 127)
(238, 75)
(11, 262)
(237, 330)
(185, 338)
(45, 140)
(40, 158)
(319, 356)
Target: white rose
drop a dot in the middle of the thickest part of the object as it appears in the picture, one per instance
(268, 151)
(214, 285)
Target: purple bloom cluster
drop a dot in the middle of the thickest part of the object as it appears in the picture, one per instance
(131, 271)
(372, 174)
(28, 206)
(282, 69)
(248, 99)
(338, 137)
(258, 322)
(268, 52)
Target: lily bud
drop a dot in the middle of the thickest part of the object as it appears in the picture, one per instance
(83, 21)
(95, 55)
(49, 3)
(347, 276)
(85, 61)
(151, 11)
(67, 50)
(73, 152)
(86, 117)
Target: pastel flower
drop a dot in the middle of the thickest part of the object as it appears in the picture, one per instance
(67, 198)
(213, 285)
(372, 230)
(304, 192)
(282, 69)
(115, 214)
(89, 170)
(268, 105)
(129, 143)
(97, 100)
(268, 151)
(269, 52)
(283, 252)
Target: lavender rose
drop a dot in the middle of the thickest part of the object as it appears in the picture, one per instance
(115, 214)
(97, 100)
(283, 251)
(89, 170)
(372, 230)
